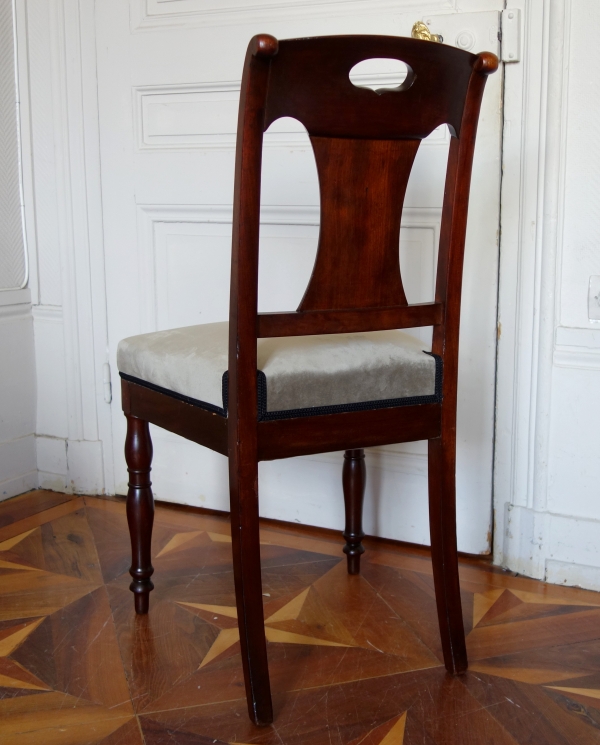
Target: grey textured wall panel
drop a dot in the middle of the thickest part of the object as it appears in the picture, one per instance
(12, 248)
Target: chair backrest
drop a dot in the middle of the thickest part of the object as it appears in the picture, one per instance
(365, 143)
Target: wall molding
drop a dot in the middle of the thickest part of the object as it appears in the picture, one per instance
(11, 313)
(577, 358)
(157, 14)
(179, 97)
(15, 297)
(152, 215)
(412, 217)
(48, 313)
(577, 348)
(170, 117)
(15, 303)
(391, 461)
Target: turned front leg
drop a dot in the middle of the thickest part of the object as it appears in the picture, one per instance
(140, 509)
(354, 480)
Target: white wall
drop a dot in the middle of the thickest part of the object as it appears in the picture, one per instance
(17, 374)
(17, 395)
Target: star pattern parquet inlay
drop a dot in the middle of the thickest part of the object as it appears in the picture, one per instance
(353, 660)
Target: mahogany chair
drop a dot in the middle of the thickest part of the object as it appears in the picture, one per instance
(277, 385)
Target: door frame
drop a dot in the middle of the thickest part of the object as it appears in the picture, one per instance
(532, 206)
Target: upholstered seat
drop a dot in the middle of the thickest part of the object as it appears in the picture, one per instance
(297, 374)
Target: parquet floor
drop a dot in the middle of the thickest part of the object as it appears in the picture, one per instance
(354, 660)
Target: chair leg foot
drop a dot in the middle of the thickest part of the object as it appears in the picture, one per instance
(141, 597)
(442, 524)
(140, 510)
(248, 591)
(354, 480)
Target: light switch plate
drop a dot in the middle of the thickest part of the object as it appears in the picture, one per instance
(594, 298)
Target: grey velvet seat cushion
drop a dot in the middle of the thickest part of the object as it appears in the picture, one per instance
(301, 372)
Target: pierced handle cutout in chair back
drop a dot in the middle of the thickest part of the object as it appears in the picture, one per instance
(380, 74)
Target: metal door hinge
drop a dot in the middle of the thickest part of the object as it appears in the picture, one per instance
(472, 32)
(106, 381)
(510, 34)
(421, 31)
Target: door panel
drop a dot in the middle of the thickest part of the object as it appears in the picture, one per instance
(168, 75)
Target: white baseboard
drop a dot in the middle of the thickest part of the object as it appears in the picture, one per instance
(51, 454)
(72, 466)
(17, 466)
(53, 481)
(560, 549)
(85, 469)
(18, 485)
(52, 418)
(52, 463)
(575, 575)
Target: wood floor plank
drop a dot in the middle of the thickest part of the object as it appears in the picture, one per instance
(354, 660)
(502, 639)
(545, 592)
(40, 518)
(305, 543)
(56, 718)
(529, 713)
(369, 620)
(69, 548)
(35, 593)
(410, 599)
(81, 725)
(32, 503)
(127, 734)
(88, 660)
(438, 710)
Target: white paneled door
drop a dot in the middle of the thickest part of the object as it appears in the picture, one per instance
(169, 73)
